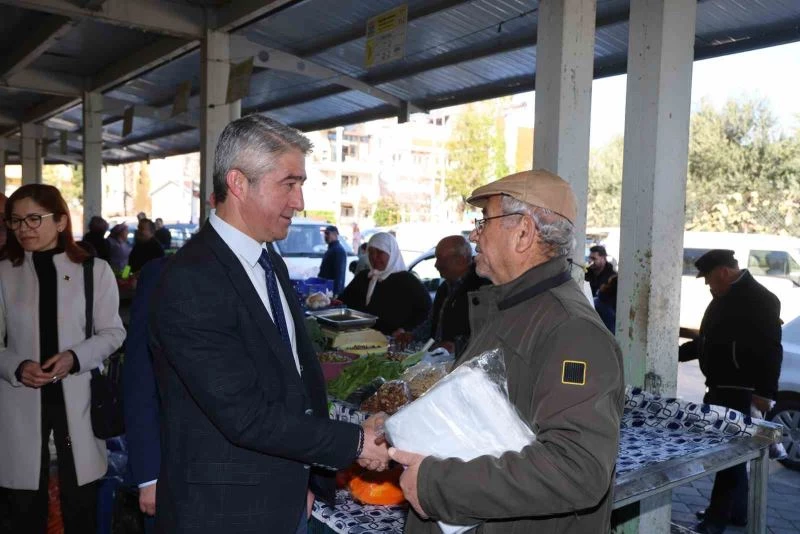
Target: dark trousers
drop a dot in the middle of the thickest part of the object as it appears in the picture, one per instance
(729, 495)
(25, 511)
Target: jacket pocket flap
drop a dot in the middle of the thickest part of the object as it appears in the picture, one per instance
(222, 473)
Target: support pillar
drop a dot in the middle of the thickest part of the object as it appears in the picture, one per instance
(660, 56)
(215, 114)
(31, 154)
(2, 165)
(92, 156)
(564, 71)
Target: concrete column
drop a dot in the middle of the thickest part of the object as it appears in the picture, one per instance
(564, 69)
(31, 154)
(660, 55)
(92, 156)
(215, 114)
(2, 165)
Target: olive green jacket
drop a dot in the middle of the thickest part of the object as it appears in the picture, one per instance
(565, 377)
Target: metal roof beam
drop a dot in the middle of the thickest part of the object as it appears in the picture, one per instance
(179, 19)
(233, 15)
(421, 10)
(135, 140)
(34, 44)
(8, 118)
(390, 73)
(44, 82)
(271, 58)
(115, 106)
(161, 51)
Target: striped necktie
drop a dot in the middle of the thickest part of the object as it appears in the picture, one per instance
(274, 297)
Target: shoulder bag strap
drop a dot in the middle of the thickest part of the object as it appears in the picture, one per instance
(88, 289)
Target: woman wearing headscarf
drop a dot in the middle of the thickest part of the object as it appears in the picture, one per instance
(387, 289)
(46, 366)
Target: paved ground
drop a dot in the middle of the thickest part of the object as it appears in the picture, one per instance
(783, 497)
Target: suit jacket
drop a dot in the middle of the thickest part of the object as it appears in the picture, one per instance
(241, 430)
(140, 398)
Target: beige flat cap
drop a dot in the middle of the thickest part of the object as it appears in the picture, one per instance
(537, 187)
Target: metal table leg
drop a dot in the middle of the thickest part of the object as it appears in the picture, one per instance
(757, 501)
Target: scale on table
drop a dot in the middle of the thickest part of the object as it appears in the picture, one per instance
(345, 328)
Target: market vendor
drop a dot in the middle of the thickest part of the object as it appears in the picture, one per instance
(387, 289)
(564, 373)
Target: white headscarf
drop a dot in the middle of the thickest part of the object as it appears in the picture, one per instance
(388, 244)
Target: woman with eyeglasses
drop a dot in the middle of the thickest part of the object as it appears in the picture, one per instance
(46, 366)
(387, 289)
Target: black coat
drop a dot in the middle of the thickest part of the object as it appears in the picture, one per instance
(400, 301)
(241, 431)
(740, 339)
(455, 317)
(144, 251)
(598, 279)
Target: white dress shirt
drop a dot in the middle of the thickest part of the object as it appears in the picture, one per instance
(248, 250)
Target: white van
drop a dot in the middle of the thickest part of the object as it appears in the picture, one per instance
(304, 246)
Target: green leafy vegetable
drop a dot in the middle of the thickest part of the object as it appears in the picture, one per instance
(361, 372)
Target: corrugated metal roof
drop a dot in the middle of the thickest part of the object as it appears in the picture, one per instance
(456, 51)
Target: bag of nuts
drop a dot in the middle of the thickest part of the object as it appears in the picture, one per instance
(391, 396)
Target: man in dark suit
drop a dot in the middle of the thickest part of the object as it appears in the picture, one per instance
(246, 442)
(450, 313)
(140, 398)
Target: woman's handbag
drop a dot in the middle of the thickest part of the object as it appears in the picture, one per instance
(106, 408)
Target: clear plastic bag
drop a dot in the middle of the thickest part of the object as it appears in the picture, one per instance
(465, 415)
(424, 376)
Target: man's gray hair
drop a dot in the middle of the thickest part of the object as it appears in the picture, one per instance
(556, 233)
(251, 145)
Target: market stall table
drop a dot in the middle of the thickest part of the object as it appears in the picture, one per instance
(664, 443)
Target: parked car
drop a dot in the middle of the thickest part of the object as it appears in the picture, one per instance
(424, 268)
(181, 233)
(304, 246)
(787, 408)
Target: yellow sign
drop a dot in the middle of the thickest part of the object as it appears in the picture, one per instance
(386, 36)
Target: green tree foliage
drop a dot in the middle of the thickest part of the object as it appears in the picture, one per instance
(67, 179)
(605, 184)
(475, 150)
(387, 212)
(744, 173)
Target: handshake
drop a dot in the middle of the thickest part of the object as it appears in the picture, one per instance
(375, 452)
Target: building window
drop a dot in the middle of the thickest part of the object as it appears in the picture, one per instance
(349, 181)
(346, 210)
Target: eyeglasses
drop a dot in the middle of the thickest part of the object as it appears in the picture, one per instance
(31, 221)
(480, 224)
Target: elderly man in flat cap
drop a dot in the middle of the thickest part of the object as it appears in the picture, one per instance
(740, 354)
(564, 373)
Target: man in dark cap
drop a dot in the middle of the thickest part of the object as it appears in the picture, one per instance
(334, 262)
(740, 354)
